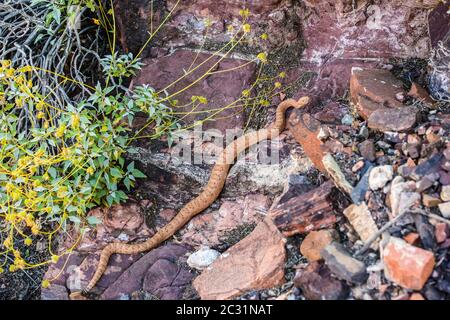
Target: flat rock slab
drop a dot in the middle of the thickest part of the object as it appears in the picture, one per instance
(393, 119)
(255, 263)
(159, 272)
(221, 89)
(378, 86)
(378, 97)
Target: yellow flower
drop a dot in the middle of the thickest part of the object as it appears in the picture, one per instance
(35, 229)
(282, 75)
(264, 36)
(264, 103)
(55, 258)
(202, 100)
(25, 69)
(19, 102)
(247, 28)
(7, 242)
(262, 57)
(75, 120)
(277, 84)
(230, 28)
(244, 13)
(40, 115)
(96, 21)
(90, 170)
(15, 195)
(39, 153)
(1, 270)
(9, 187)
(246, 93)
(32, 194)
(40, 105)
(12, 268)
(9, 72)
(45, 283)
(60, 131)
(62, 192)
(28, 241)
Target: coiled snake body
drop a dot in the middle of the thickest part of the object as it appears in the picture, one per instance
(205, 198)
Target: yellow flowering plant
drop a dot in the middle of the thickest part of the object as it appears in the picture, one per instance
(52, 174)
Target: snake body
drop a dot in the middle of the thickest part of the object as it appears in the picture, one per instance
(206, 197)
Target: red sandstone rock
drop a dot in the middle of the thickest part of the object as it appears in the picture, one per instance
(208, 228)
(442, 232)
(334, 29)
(220, 89)
(412, 238)
(419, 93)
(256, 262)
(315, 241)
(375, 93)
(416, 296)
(407, 265)
(305, 130)
(124, 222)
(394, 119)
(378, 86)
(279, 16)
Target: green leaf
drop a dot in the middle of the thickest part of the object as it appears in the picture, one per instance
(52, 172)
(138, 174)
(130, 167)
(127, 183)
(75, 219)
(92, 220)
(116, 173)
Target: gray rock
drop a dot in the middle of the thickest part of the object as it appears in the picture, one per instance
(157, 272)
(445, 209)
(202, 258)
(347, 120)
(55, 292)
(379, 176)
(367, 150)
(343, 265)
(427, 167)
(445, 193)
(426, 232)
(359, 192)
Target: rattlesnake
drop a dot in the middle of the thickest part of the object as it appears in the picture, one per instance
(205, 198)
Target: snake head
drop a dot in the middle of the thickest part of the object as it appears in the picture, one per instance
(303, 101)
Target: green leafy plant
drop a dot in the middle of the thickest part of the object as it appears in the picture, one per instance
(53, 169)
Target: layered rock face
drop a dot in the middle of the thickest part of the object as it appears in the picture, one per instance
(322, 38)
